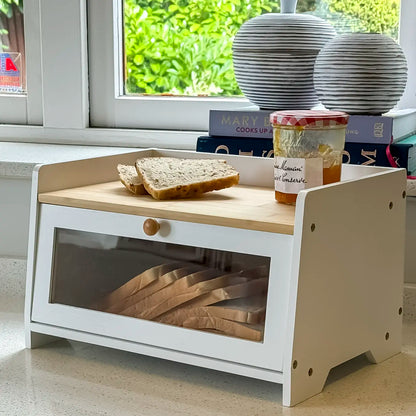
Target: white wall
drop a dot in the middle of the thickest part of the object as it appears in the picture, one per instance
(407, 42)
(410, 255)
(14, 216)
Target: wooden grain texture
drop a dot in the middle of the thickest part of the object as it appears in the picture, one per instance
(241, 206)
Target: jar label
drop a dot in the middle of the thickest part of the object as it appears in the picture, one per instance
(291, 175)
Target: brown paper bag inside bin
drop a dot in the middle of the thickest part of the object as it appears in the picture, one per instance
(179, 292)
(239, 290)
(177, 286)
(247, 310)
(134, 285)
(250, 310)
(235, 329)
(187, 288)
(157, 284)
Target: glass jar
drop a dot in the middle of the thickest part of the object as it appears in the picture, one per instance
(308, 146)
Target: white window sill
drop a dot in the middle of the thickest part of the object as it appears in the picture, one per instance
(107, 137)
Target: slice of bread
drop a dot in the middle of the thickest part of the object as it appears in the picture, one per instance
(169, 178)
(129, 178)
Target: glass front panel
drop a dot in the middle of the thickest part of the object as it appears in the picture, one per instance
(191, 287)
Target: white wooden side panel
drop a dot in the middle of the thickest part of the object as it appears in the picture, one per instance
(348, 267)
(32, 339)
(267, 354)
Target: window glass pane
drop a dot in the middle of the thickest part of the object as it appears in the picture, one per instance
(369, 16)
(12, 47)
(184, 47)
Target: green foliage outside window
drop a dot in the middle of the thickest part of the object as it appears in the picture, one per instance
(183, 47)
(7, 8)
(374, 16)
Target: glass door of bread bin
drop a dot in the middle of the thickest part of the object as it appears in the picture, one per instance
(117, 285)
(191, 287)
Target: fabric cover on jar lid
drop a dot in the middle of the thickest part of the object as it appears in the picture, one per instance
(309, 118)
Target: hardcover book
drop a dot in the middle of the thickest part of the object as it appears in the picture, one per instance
(370, 154)
(393, 125)
(374, 154)
(247, 122)
(251, 122)
(411, 162)
(235, 146)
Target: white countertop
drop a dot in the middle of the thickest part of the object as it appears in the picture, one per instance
(68, 378)
(19, 159)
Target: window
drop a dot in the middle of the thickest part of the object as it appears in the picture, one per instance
(180, 47)
(14, 84)
(160, 75)
(81, 84)
(110, 107)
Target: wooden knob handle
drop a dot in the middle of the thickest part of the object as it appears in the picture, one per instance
(151, 226)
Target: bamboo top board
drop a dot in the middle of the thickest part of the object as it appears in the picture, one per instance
(241, 206)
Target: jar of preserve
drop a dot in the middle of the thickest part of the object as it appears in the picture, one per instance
(308, 146)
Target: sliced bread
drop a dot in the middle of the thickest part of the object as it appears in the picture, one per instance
(129, 178)
(169, 178)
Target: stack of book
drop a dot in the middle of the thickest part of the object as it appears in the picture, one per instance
(369, 139)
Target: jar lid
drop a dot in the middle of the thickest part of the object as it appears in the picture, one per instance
(310, 118)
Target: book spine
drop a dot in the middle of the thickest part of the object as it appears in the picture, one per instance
(256, 124)
(369, 129)
(374, 154)
(235, 146)
(251, 124)
(411, 160)
(369, 154)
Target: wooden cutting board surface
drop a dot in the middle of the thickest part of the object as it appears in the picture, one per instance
(240, 206)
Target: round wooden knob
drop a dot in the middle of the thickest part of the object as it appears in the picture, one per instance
(151, 226)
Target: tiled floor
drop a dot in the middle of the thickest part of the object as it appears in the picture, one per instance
(71, 378)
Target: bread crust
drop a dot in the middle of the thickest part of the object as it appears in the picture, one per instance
(129, 178)
(210, 175)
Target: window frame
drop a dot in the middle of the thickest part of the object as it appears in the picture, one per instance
(27, 108)
(407, 41)
(111, 108)
(58, 112)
